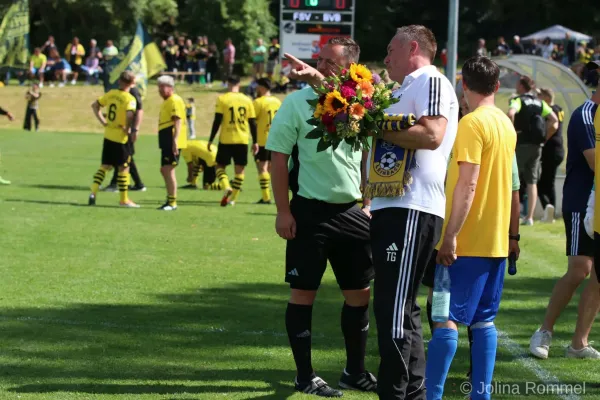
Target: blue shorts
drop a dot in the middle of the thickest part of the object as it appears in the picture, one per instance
(476, 289)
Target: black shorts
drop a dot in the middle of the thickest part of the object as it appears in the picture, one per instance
(263, 154)
(76, 68)
(429, 275)
(338, 233)
(237, 152)
(165, 143)
(597, 255)
(114, 153)
(578, 241)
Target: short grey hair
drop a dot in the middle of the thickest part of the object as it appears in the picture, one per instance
(351, 48)
(166, 80)
(420, 34)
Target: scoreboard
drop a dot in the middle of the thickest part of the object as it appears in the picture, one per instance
(306, 25)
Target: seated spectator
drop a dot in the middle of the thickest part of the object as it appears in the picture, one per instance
(74, 56)
(37, 65)
(91, 69)
(110, 50)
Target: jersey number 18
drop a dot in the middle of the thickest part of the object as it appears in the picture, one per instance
(242, 115)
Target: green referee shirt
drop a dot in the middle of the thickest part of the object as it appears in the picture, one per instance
(330, 176)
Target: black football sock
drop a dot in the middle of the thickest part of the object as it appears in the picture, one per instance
(113, 181)
(355, 327)
(298, 322)
(470, 332)
(135, 175)
(429, 319)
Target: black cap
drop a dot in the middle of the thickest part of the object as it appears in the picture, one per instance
(592, 65)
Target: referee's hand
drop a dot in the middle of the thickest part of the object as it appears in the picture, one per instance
(285, 225)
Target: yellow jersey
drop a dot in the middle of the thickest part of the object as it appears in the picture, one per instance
(79, 53)
(485, 137)
(236, 108)
(198, 150)
(265, 108)
(38, 61)
(174, 106)
(118, 103)
(597, 200)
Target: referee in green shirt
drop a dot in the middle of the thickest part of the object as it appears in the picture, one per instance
(321, 223)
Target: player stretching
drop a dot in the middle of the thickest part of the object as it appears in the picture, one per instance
(172, 137)
(200, 159)
(235, 116)
(116, 151)
(265, 107)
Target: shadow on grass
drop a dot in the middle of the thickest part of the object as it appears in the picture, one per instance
(60, 203)
(209, 336)
(59, 187)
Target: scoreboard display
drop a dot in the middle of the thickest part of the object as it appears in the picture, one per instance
(307, 25)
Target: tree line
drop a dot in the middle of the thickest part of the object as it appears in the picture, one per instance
(246, 20)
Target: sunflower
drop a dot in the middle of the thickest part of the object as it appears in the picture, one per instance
(359, 73)
(318, 111)
(335, 103)
(357, 111)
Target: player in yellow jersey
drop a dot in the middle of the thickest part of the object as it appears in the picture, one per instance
(172, 137)
(200, 159)
(265, 107)
(120, 105)
(236, 118)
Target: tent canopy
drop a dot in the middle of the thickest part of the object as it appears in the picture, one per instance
(557, 32)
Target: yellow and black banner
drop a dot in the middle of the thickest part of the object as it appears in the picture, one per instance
(14, 35)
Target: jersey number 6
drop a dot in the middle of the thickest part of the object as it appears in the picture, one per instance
(112, 112)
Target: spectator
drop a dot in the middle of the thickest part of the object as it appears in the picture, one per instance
(273, 58)
(49, 46)
(502, 49)
(110, 50)
(33, 96)
(94, 50)
(547, 48)
(212, 64)
(481, 50)
(37, 65)
(74, 55)
(534, 48)
(528, 113)
(181, 57)
(558, 54)
(228, 61)
(91, 69)
(170, 55)
(570, 50)
(258, 59)
(553, 154)
(202, 57)
(191, 64)
(517, 47)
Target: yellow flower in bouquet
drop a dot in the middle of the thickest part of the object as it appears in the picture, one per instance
(318, 111)
(357, 111)
(335, 103)
(366, 88)
(359, 73)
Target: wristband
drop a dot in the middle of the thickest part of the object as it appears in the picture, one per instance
(516, 237)
(396, 122)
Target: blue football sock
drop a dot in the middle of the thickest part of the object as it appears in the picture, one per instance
(440, 353)
(485, 343)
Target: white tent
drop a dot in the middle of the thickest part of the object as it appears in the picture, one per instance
(557, 32)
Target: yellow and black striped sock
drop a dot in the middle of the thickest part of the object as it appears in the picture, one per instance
(236, 185)
(172, 201)
(265, 186)
(123, 184)
(223, 179)
(215, 186)
(98, 179)
(195, 174)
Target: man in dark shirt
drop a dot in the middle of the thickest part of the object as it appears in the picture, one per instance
(581, 142)
(137, 121)
(273, 58)
(517, 47)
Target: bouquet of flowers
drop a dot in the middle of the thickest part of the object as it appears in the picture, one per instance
(350, 107)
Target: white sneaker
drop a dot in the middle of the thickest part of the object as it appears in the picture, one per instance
(52, 85)
(73, 82)
(586, 352)
(62, 84)
(527, 222)
(540, 342)
(548, 214)
(41, 85)
(129, 204)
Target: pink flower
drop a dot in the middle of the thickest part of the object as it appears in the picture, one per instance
(327, 119)
(344, 71)
(369, 104)
(349, 84)
(376, 78)
(348, 92)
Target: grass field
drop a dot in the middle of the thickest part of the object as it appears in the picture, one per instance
(110, 303)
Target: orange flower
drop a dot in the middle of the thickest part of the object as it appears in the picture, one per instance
(366, 88)
(357, 111)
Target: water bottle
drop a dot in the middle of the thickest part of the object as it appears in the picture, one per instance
(512, 264)
(440, 305)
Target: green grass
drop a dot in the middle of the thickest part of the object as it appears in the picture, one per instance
(110, 303)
